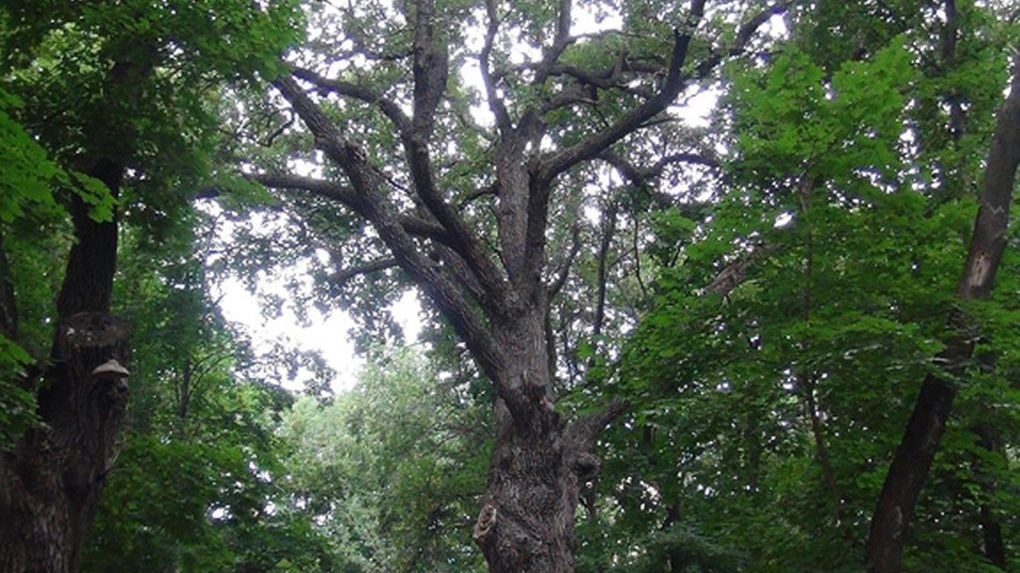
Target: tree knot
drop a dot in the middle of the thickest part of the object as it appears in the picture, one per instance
(587, 466)
(486, 522)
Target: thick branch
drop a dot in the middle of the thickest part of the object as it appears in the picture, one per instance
(430, 73)
(989, 238)
(560, 42)
(348, 198)
(496, 105)
(583, 432)
(388, 107)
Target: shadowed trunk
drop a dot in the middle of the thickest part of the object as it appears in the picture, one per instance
(51, 479)
(537, 467)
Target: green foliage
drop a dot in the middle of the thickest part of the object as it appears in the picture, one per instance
(849, 264)
(392, 470)
(195, 484)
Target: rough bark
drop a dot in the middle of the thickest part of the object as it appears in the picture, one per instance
(913, 459)
(51, 479)
(50, 482)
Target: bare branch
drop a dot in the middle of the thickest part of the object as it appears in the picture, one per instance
(630, 122)
(560, 42)
(348, 198)
(431, 68)
(349, 156)
(564, 269)
(673, 84)
(744, 35)
(640, 175)
(477, 194)
(496, 105)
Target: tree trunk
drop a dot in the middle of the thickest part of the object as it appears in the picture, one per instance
(538, 464)
(536, 471)
(527, 522)
(991, 530)
(50, 480)
(913, 459)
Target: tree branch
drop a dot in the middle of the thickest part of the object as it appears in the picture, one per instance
(430, 73)
(583, 432)
(496, 105)
(564, 270)
(388, 107)
(640, 175)
(674, 83)
(367, 182)
(348, 198)
(343, 276)
(560, 42)
(364, 176)
(631, 121)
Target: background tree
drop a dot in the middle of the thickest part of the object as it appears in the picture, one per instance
(775, 408)
(391, 471)
(197, 485)
(113, 98)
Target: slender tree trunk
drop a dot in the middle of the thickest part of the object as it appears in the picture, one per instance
(51, 479)
(913, 459)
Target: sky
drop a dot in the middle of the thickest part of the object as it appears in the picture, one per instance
(330, 334)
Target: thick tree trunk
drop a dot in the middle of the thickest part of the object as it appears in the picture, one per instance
(527, 522)
(50, 482)
(51, 479)
(536, 471)
(538, 464)
(913, 459)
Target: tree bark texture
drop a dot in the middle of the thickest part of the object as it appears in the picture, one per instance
(914, 456)
(50, 482)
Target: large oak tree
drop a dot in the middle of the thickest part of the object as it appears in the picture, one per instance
(382, 95)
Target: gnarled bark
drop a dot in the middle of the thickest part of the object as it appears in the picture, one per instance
(50, 480)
